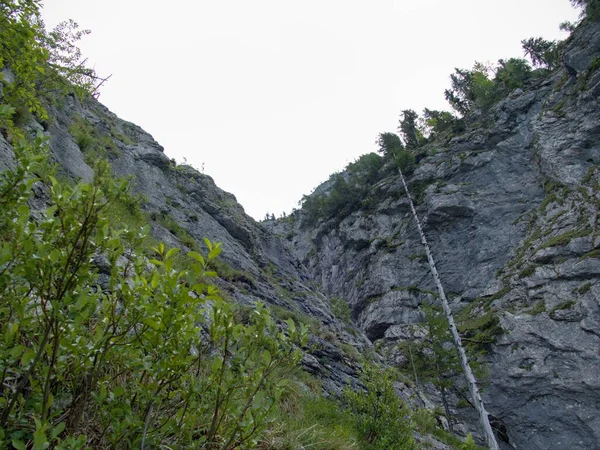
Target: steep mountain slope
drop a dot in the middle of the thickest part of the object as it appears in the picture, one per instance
(510, 208)
(182, 207)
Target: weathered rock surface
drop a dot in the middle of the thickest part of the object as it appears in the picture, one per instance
(511, 211)
(184, 207)
(510, 208)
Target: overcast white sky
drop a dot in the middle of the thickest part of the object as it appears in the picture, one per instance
(272, 96)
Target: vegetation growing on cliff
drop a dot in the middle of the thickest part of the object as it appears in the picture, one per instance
(109, 341)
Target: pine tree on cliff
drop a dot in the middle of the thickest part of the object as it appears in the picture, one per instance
(471, 382)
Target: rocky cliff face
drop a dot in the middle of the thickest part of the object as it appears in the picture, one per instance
(182, 207)
(510, 208)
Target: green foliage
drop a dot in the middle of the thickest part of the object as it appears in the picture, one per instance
(542, 53)
(564, 305)
(154, 358)
(366, 168)
(307, 421)
(537, 308)
(389, 144)
(527, 272)
(426, 424)
(564, 238)
(347, 192)
(480, 332)
(91, 142)
(42, 62)
(460, 95)
(469, 443)
(409, 129)
(476, 88)
(470, 88)
(439, 122)
(434, 359)
(484, 90)
(513, 73)
(341, 309)
(284, 314)
(381, 418)
(225, 271)
(584, 288)
(590, 9)
(405, 160)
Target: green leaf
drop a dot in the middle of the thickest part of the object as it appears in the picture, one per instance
(12, 329)
(6, 111)
(266, 357)
(215, 251)
(58, 429)
(154, 280)
(103, 392)
(197, 256)
(39, 436)
(118, 391)
(18, 444)
(291, 325)
(216, 365)
(258, 400)
(172, 252)
(27, 358)
(154, 324)
(54, 255)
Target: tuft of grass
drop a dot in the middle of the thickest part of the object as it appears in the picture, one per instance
(565, 238)
(310, 422)
(527, 272)
(592, 254)
(584, 288)
(480, 332)
(538, 308)
(313, 325)
(564, 305)
(341, 309)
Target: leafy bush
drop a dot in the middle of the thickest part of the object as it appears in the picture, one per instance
(152, 358)
(347, 192)
(475, 89)
(438, 122)
(381, 418)
(93, 144)
(43, 63)
(512, 73)
(341, 309)
(311, 422)
(366, 167)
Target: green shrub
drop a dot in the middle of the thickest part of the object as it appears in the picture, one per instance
(341, 309)
(308, 421)
(155, 358)
(513, 73)
(380, 417)
(94, 145)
